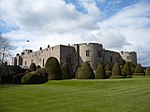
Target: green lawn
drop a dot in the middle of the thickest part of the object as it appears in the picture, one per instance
(111, 95)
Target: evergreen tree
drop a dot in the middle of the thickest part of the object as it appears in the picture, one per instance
(116, 71)
(100, 72)
(86, 71)
(53, 69)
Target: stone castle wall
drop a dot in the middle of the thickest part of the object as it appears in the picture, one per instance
(129, 56)
(75, 55)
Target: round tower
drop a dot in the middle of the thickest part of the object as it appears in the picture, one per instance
(91, 52)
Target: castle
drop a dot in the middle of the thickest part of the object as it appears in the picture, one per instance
(75, 55)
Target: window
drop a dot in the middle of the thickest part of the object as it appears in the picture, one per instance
(87, 53)
(99, 54)
(111, 59)
(43, 62)
(25, 62)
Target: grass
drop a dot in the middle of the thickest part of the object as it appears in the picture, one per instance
(113, 95)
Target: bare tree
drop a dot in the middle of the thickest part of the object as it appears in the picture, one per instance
(5, 48)
(5, 55)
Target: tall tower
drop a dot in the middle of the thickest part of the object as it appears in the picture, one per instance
(129, 56)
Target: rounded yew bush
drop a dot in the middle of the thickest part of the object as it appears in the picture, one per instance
(126, 71)
(31, 68)
(100, 72)
(139, 70)
(53, 69)
(107, 68)
(36, 77)
(86, 71)
(148, 71)
(32, 78)
(66, 73)
(116, 72)
(77, 72)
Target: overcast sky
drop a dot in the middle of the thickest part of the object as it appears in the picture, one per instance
(120, 25)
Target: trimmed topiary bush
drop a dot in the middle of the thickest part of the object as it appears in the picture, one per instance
(31, 68)
(139, 70)
(17, 78)
(116, 72)
(43, 73)
(107, 68)
(53, 69)
(36, 77)
(108, 71)
(86, 72)
(100, 72)
(32, 78)
(148, 71)
(76, 75)
(132, 66)
(66, 73)
(126, 71)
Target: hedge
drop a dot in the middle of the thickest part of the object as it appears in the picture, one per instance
(86, 72)
(17, 78)
(36, 77)
(100, 72)
(66, 73)
(126, 71)
(53, 69)
(116, 72)
(148, 71)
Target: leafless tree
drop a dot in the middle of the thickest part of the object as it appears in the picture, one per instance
(5, 48)
(5, 55)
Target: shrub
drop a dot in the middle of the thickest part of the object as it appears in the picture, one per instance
(43, 73)
(76, 75)
(116, 72)
(53, 69)
(108, 71)
(132, 66)
(86, 72)
(126, 71)
(31, 78)
(66, 73)
(148, 71)
(31, 68)
(100, 72)
(108, 74)
(36, 77)
(139, 70)
(17, 78)
(107, 68)
(17, 69)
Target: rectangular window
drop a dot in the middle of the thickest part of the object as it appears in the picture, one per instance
(111, 59)
(43, 62)
(87, 53)
(25, 62)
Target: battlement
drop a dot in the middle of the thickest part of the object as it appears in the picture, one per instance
(75, 54)
(129, 56)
